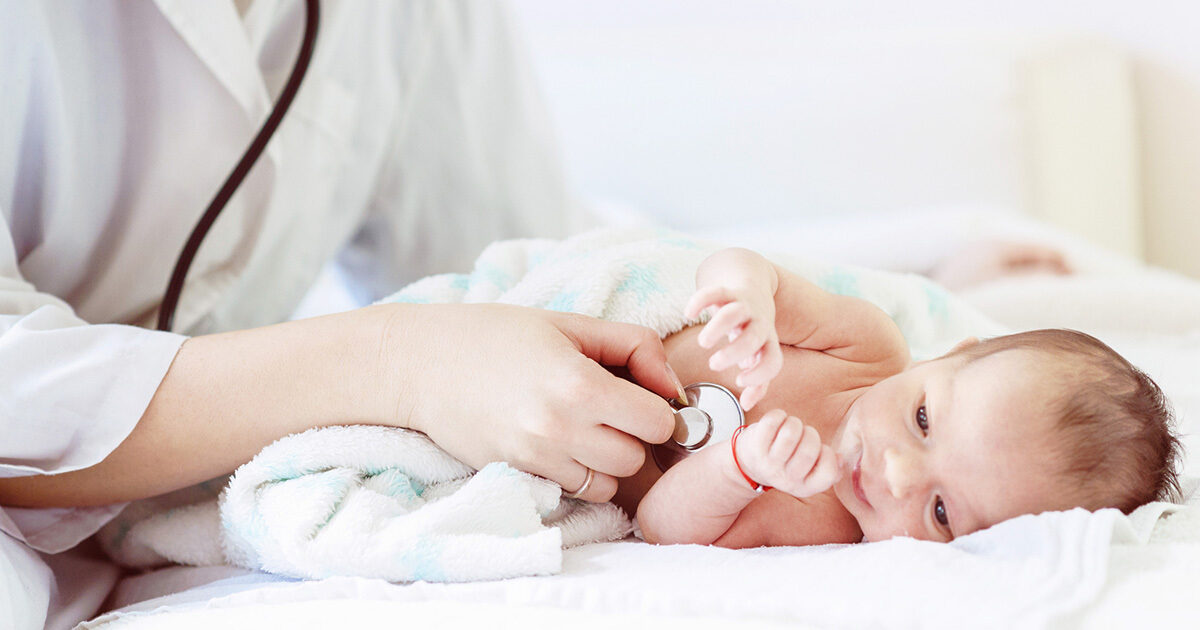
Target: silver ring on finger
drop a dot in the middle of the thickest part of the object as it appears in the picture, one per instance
(587, 483)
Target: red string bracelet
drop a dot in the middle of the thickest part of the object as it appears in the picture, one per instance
(758, 487)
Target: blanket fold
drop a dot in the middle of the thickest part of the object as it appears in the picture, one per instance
(372, 502)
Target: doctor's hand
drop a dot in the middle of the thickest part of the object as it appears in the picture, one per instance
(491, 382)
(487, 382)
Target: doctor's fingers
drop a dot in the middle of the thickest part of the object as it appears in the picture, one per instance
(609, 451)
(634, 347)
(582, 482)
(632, 410)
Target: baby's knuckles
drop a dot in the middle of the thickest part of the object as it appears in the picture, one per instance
(791, 431)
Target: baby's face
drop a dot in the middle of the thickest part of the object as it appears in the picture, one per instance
(948, 447)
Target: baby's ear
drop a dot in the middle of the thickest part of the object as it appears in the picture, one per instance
(964, 344)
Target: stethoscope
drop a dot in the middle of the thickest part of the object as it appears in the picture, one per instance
(712, 413)
(166, 312)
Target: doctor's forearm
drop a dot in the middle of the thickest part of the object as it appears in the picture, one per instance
(225, 397)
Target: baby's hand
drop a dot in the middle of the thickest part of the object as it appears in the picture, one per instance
(746, 318)
(782, 452)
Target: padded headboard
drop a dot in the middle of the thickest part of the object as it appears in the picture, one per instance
(1083, 142)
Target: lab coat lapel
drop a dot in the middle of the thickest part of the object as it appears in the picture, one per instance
(214, 31)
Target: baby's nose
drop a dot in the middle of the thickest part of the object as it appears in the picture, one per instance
(902, 473)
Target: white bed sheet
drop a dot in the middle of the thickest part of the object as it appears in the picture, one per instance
(1148, 586)
(631, 582)
(899, 583)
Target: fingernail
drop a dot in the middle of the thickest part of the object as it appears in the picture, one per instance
(683, 399)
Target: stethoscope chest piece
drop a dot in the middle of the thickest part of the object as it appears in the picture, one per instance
(711, 416)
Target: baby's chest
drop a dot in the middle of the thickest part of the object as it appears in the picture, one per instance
(812, 386)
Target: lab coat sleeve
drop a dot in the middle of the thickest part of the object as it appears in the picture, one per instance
(70, 392)
(472, 157)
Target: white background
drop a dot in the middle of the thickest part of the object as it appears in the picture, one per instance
(730, 46)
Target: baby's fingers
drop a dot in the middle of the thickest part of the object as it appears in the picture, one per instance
(726, 323)
(767, 367)
(704, 298)
(752, 396)
(742, 348)
(824, 473)
(759, 436)
(804, 451)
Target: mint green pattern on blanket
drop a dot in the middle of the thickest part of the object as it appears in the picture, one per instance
(424, 557)
(491, 273)
(642, 281)
(563, 302)
(939, 307)
(460, 282)
(639, 276)
(840, 281)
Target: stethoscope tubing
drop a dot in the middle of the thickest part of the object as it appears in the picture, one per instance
(170, 301)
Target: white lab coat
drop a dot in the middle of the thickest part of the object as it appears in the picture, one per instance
(416, 138)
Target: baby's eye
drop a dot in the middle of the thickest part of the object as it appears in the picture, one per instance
(939, 512)
(922, 419)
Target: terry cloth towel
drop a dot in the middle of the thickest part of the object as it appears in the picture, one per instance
(370, 502)
(386, 503)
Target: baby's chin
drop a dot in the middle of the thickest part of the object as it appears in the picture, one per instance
(868, 520)
(844, 492)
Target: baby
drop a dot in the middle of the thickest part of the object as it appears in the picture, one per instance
(861, 443)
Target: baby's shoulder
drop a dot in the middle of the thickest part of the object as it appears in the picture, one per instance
(830, 374)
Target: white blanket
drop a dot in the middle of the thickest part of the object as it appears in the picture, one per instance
(1029, 572)
(337, 502)
(372, 502)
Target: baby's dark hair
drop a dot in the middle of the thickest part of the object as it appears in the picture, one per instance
(1114, 425)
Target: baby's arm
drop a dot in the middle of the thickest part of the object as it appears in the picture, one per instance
(698, 499)
(761, 305)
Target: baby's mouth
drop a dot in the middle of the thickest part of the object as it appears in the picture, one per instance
(856, 478)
